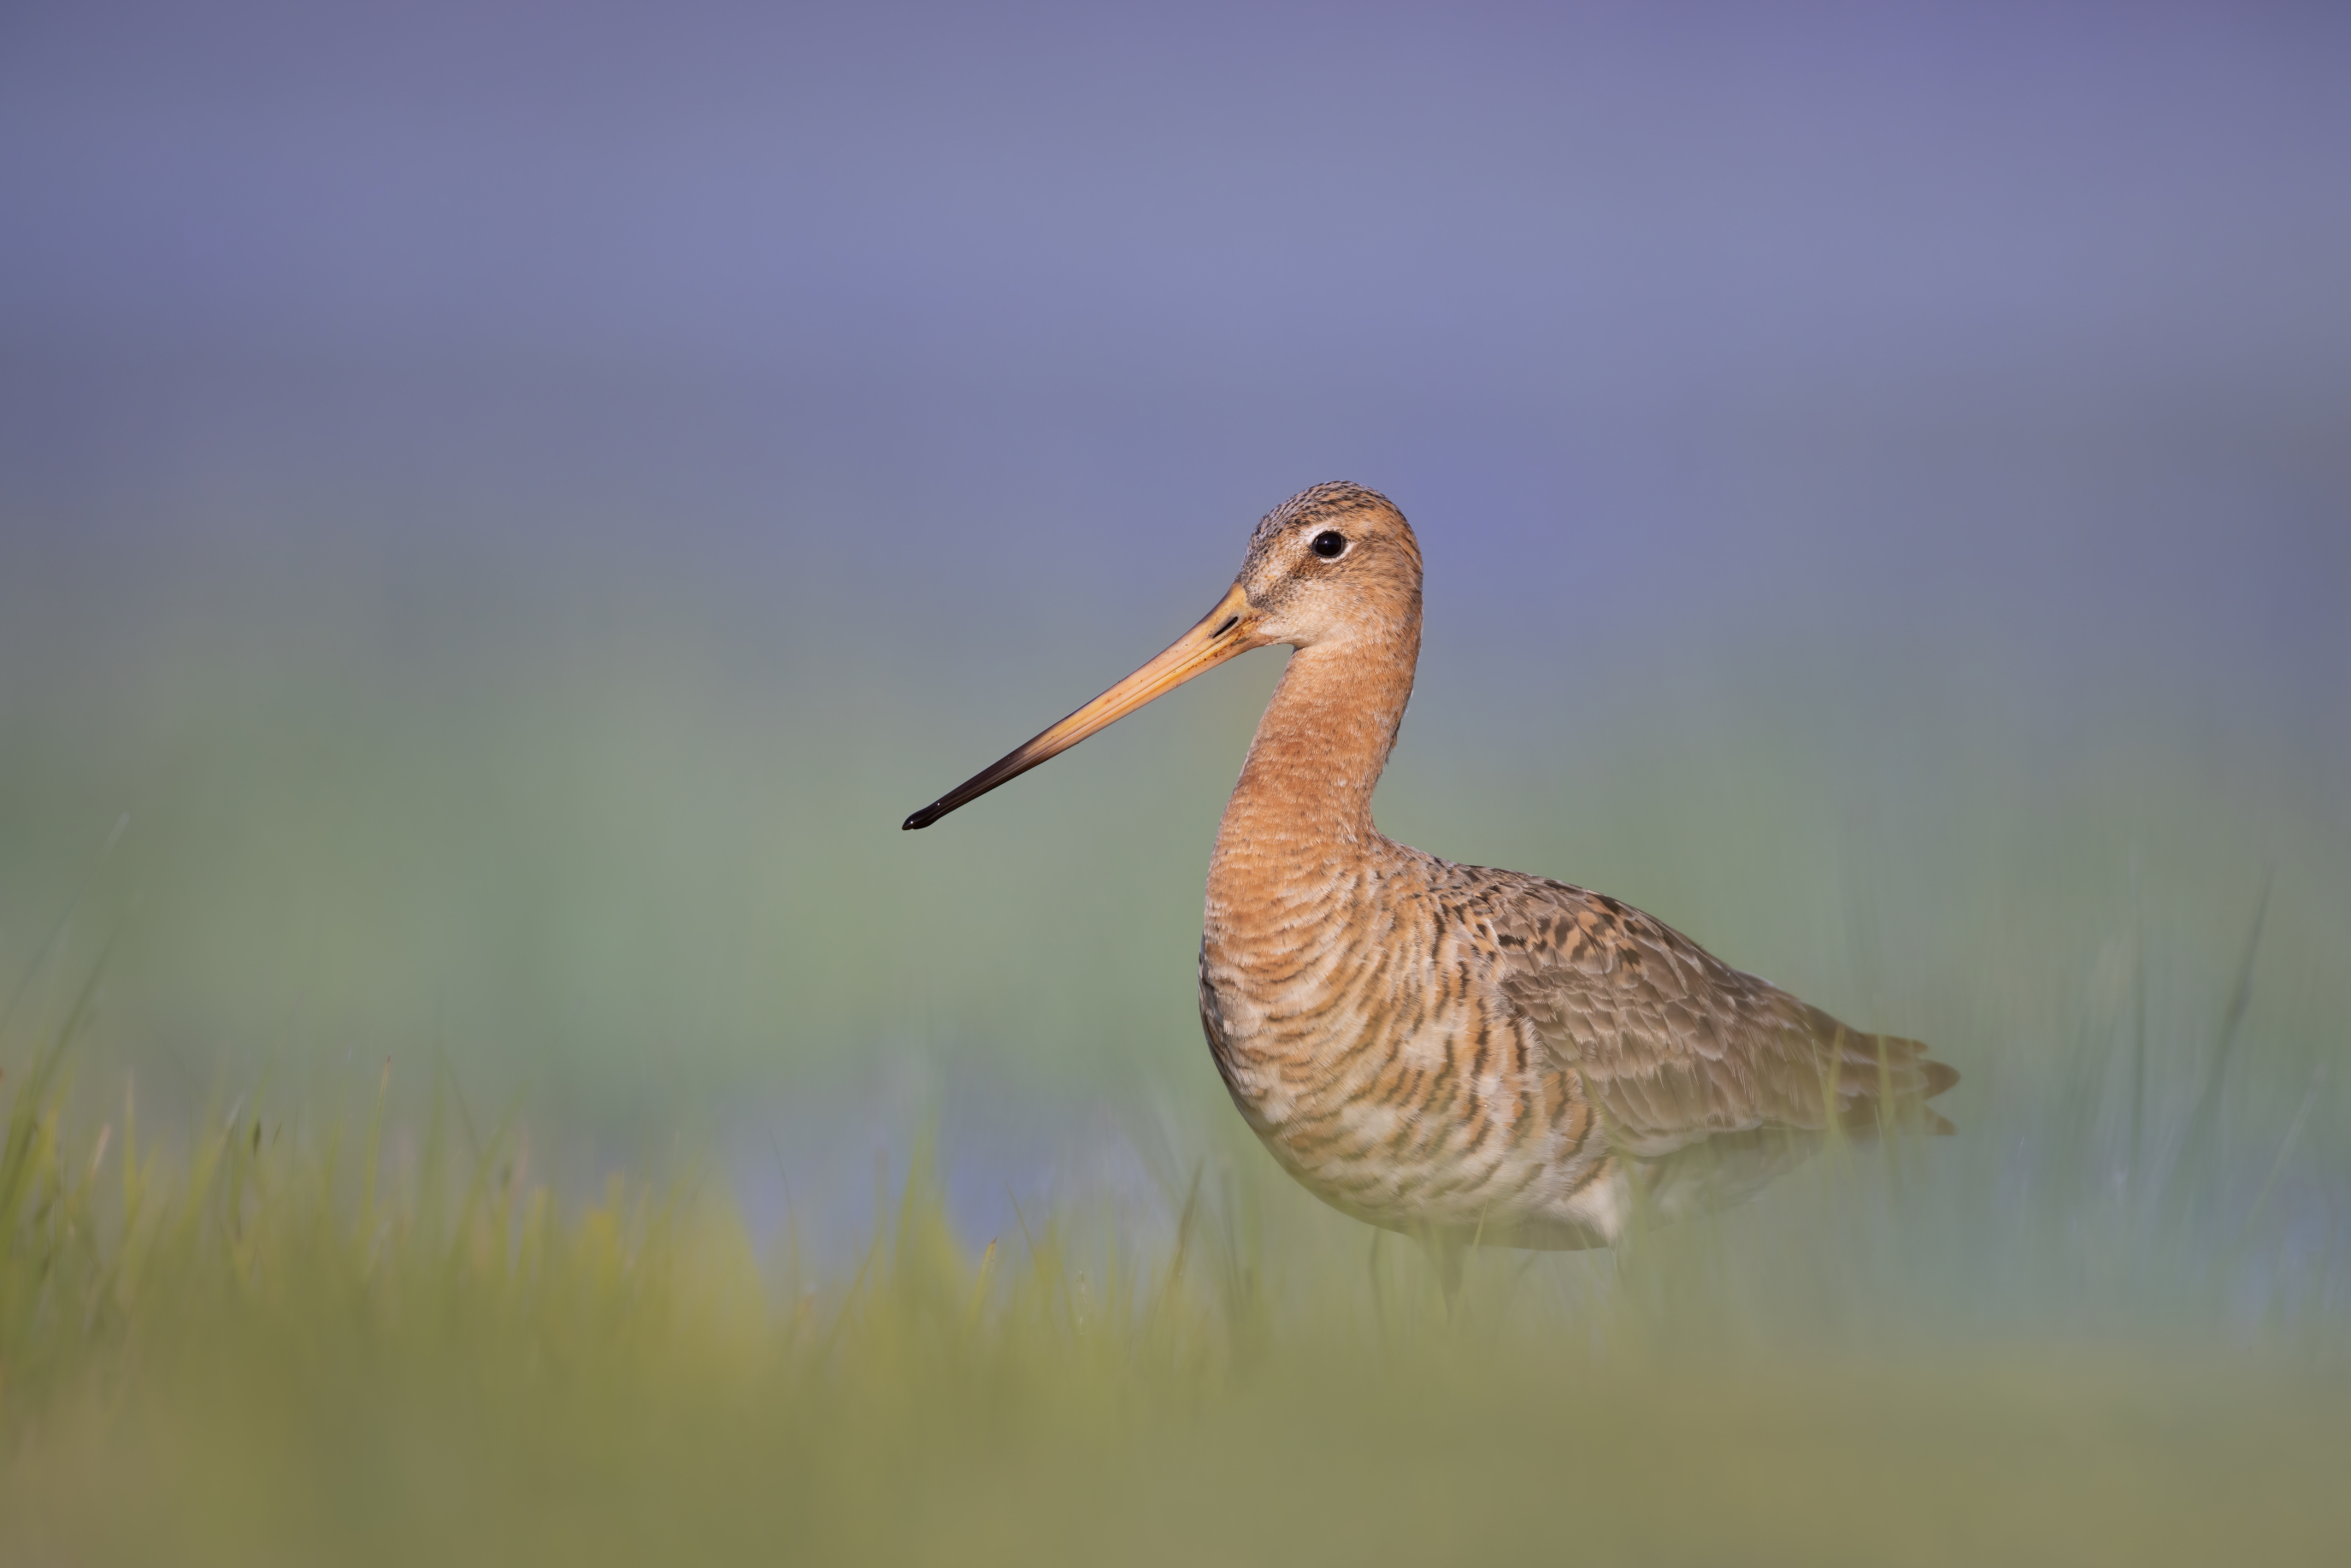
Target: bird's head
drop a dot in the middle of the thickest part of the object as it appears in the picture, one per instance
(1334, 564)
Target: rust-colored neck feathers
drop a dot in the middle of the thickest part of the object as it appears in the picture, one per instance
(1300, 817)
(1323, 743)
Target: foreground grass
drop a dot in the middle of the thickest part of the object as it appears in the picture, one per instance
(273, 1341)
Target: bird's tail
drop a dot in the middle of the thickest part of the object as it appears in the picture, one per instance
(1876, 1080)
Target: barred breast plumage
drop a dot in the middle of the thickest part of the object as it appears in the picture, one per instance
(1452, 1050)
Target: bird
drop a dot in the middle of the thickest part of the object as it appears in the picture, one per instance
(1462, 1054)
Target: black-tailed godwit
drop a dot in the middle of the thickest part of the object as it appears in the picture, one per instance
(1449, 1051)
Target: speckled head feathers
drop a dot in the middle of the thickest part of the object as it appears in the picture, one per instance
(1322, 503)
(1305, 595)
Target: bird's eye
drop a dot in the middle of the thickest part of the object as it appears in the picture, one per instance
(1328, 544)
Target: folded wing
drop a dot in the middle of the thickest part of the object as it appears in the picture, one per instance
(1675, 1046)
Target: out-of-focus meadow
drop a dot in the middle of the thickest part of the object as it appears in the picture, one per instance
(498, 521)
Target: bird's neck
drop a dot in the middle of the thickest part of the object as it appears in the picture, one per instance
(1302, 811)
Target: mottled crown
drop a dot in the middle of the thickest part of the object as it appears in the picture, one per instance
(1320, 504)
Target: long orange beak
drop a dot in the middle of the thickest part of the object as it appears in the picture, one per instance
(1221, 633)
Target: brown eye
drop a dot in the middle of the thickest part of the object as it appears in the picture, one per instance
(1328, 544)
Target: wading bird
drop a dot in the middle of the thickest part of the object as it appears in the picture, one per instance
(1459, 1054)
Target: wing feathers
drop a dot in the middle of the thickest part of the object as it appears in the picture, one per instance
(1675, 1045)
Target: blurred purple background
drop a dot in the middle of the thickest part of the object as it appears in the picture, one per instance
(1971, 311)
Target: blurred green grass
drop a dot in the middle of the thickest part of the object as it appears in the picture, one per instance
(625, 855)
(279, 1343)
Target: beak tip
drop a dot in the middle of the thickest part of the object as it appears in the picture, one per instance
(920, 819)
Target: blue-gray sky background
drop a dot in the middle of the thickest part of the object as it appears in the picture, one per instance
(515, 501)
